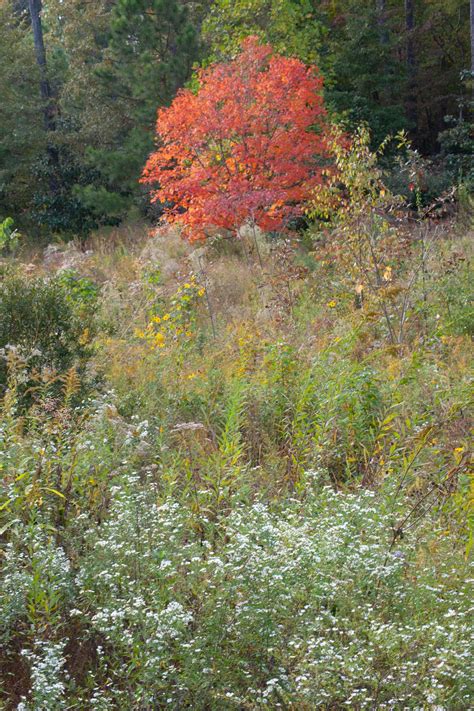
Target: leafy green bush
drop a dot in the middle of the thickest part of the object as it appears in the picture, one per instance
(57, 205)
(9, 237)
(457, 149)
(322, 412)
(80, 290)
(457, 297)
(421, 187)
(45, 319)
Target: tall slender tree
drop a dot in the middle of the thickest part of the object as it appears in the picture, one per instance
(412, 113)
(472, 44)
(381, 21)
(35, 7)
(22, 134)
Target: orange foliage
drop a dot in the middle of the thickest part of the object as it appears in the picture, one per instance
(247, 146)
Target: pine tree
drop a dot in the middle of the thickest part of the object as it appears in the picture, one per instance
(152, 46)
(22, 136)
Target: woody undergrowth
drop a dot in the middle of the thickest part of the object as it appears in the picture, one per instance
(253, 488)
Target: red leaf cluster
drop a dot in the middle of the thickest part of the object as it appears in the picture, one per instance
(247, 146)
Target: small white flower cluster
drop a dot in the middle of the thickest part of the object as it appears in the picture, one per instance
(304, 606)
(37, 579)
(48, 677)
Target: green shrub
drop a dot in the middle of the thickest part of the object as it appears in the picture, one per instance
(45, 320)
(80, 290)
(457, 149)
(9, 237)
(420, 190)
(456, 294)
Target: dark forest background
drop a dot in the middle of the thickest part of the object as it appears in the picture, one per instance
(81, 84)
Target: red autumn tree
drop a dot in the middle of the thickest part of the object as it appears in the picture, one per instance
(245, 147)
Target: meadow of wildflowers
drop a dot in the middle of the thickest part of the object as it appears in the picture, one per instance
(238, 492)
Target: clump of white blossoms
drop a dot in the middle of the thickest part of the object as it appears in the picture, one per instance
(48, 678)
(307, 604)
(304, 604)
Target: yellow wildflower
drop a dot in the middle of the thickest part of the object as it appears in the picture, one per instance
(166, 317)
(159, 340)
(85, 337)
(331, 304)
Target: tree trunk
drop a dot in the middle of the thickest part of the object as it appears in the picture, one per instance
(472, 46)
(380, 8)
(45, 88)
(412, 113)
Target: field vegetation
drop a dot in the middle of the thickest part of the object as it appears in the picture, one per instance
(235, 479)
(235, 357)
